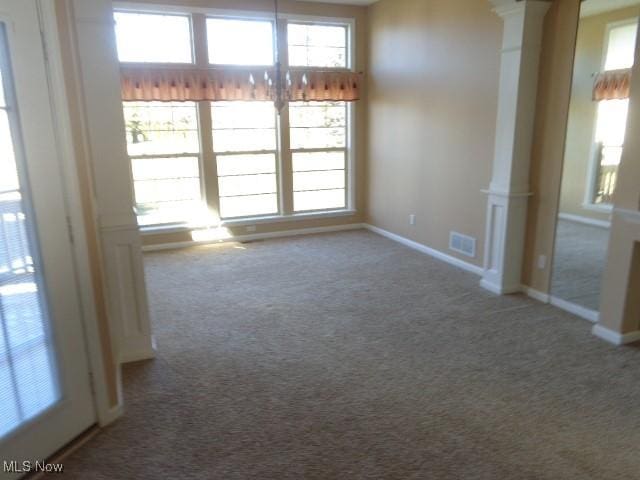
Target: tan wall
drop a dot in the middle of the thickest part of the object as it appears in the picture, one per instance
(554, 89)
(590, 47)
(300, 8)
(433, 87)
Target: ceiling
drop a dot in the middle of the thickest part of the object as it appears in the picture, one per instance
(345, 2)
(594, 7)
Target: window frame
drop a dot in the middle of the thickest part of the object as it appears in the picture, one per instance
(207, 156)
(199, 155)
(349, 24)
(593, 169)
(278, 169)
(351, 127)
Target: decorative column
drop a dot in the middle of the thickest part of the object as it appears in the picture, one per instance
(508, 192)
(99, 77)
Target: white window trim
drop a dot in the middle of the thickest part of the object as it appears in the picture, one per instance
(350, 150)
(592, 170)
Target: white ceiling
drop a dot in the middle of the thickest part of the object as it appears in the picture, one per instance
(344, 2)
(594, 7)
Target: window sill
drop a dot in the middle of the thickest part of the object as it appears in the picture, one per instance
(296, 217)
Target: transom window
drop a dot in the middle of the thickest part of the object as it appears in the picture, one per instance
(312, 45)
(166, 38)
(235, 159)
(240, 42)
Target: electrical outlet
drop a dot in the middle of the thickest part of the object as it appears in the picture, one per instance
(412, 219)
(542, 262)
(251, 228)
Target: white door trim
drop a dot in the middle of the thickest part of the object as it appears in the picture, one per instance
(64, 140)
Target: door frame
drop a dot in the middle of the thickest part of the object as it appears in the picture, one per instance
(104, 369)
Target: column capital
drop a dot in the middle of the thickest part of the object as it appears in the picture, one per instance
(504, 8)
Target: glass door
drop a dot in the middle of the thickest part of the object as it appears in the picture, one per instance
(45, 395)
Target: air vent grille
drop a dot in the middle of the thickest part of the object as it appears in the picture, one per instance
(462, 244)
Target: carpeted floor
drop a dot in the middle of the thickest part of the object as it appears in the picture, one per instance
(348, 356)
(579, 261)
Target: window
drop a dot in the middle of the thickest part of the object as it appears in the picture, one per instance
(240, 42)
(312, 45)
(245, 143)
(29, 381)
(621, 47)
(318, 147)
(163, 145)
(209, 161)
(143, 37)
(611, 117)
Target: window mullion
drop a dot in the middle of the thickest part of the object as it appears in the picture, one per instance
(208, 166)
(286, 169)
(199, 27)
(208, 169)
(284, 143)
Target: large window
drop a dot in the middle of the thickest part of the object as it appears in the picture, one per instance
(162, 142)
(318, 147)
(611, 118)
(235, 159)
(245, 142)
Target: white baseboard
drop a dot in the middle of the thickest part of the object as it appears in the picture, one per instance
(580, 311)
(536, 294)
(456, 262)
(254, 236)
(139, 353)
(614, 337)
(584, 220)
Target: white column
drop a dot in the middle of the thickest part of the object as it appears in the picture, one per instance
(509, 190)
(99, 77)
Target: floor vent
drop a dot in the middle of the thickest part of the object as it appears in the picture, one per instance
(462, 244)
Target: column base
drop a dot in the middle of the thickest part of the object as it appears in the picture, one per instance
(615, 338)
(500, 289)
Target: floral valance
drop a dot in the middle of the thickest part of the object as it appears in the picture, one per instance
(192, 84)
(612, 85)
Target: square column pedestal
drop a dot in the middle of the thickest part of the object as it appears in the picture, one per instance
(509, 190)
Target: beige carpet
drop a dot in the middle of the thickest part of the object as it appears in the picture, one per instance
(348, 356)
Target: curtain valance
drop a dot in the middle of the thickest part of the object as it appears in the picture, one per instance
(612, 85)
(215, 84)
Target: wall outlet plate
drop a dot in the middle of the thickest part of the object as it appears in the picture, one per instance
(412, 219)
(542, 262)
